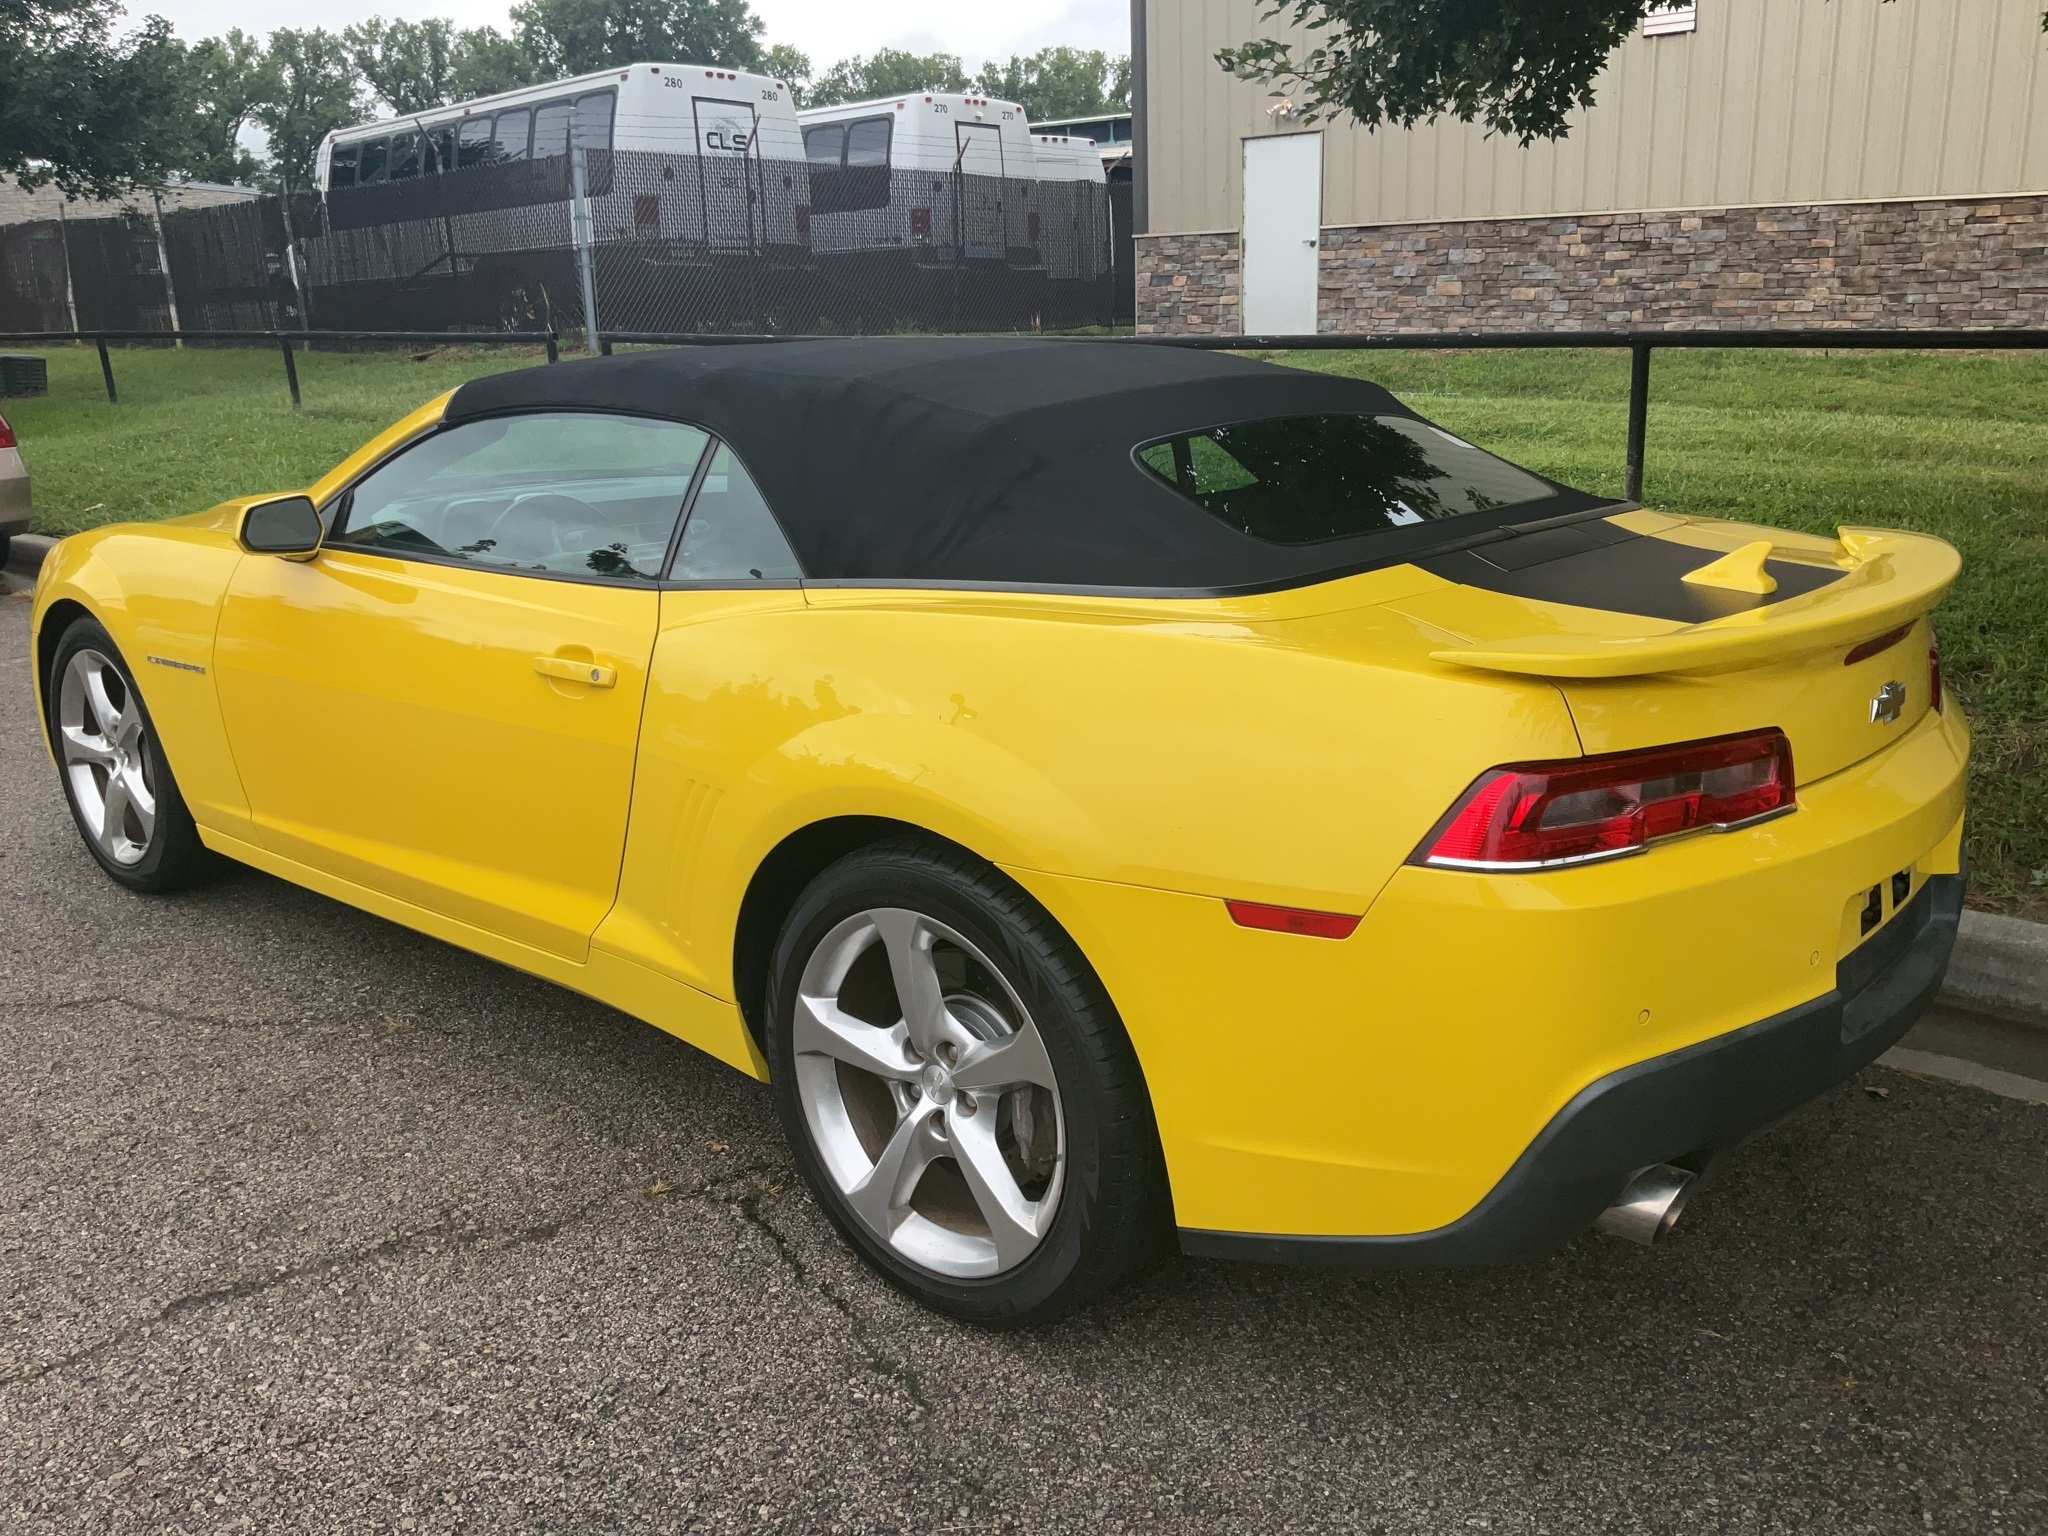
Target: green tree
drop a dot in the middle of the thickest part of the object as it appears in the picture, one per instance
(79, 107)
(1522, 66)
(410, 65)
(792, 66)
(887, 72)
(224, 81)
(574, 37)
(313, 87)
(1060, 82)
(487, 62)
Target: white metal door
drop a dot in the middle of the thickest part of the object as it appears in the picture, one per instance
(1283, 219)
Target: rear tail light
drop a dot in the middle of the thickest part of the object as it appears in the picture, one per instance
(1933, 654)
(1545, 815)
(6, 434)
(920, 221)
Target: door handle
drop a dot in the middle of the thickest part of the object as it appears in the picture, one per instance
(591, 674)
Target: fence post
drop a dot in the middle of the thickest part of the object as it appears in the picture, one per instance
(291, 369)
(580, 234)
(107, 372)
(554, 352)
(1638, 417)
(64, 242)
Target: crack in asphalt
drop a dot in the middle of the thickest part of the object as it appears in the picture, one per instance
(454, 1238)
(878, 1360)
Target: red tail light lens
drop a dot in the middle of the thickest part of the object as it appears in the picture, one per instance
(1933, 655)
(6, 434)
(1543, 815)
(920, 221)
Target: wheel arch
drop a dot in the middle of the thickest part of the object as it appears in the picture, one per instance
(55, 620)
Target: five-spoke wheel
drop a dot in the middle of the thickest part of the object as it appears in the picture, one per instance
(960, 1094)
(116, 779)
(103, 743)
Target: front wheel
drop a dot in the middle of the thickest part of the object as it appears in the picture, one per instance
(959, 1092)
(116, 780)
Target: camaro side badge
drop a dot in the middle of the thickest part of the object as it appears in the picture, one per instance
(186, 666)
(1889, 703)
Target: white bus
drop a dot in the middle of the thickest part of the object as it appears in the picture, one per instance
(1073, 234)
(1110, 131)
(740, 191)
(926, 174)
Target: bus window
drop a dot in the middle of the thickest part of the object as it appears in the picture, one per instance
(341, 167)
(825, 144)
(551, 130)
(441, 143)
(594, 120)
(375, 152)
(867, 141)
(473, 147)
(405, 156)
(510, 139)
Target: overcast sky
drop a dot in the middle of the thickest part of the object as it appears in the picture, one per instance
(825, 29)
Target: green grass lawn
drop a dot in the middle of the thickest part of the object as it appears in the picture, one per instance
(1955, 446)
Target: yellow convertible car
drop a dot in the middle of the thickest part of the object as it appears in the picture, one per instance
(1105, 789)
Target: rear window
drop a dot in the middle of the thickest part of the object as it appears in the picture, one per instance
(1308, 479)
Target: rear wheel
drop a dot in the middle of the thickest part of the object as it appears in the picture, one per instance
(119, 787)
(959, 1093)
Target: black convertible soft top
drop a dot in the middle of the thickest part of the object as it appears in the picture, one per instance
(991, 461)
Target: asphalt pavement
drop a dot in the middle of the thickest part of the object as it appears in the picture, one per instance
(309, 1223)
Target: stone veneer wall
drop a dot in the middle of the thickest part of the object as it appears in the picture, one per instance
(1954, 264)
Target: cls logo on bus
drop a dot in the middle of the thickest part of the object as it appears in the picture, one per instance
(721, 138)
(1889, 703)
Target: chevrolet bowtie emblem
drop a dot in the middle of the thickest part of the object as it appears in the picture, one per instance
(1889, 704)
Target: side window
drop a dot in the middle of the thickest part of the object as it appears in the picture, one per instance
(551, 130)
(405, 156)
(341, 167)
(731, 535)
(825, 144)
(570, 493)
(867, 141)
(594, 121)
(511, 135)
(374, 152)
(474, 145)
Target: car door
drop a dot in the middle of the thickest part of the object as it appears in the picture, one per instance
(444, 704)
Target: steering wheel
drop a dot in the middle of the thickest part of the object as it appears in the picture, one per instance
(532, 526)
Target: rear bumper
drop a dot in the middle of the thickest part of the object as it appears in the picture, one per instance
(1701, 1099)
(14, 494)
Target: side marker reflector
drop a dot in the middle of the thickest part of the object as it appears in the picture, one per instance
(1314, 925)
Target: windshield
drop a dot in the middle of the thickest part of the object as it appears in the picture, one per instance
(1307, 479)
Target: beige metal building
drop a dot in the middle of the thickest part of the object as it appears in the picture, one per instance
(1747, 163)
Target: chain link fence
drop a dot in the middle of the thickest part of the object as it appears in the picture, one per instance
(666, 243)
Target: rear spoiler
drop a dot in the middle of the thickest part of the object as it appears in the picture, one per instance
(1892, 579)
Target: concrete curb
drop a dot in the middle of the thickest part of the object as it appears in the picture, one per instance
(27, 551)
(2000, 969)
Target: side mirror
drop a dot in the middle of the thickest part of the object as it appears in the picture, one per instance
(289, 525)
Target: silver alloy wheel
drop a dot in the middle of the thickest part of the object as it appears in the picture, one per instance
(104, 745)
(928, 1093)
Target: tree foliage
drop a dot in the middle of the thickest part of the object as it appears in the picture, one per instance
(1521, 66)
(408, 65)
(1060, 82)
(887, 72)
(574, 37)
(224, 80)
(313, 87)
(83, 108)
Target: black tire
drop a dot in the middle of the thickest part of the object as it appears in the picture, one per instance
(1113, 1212)
(172, 856)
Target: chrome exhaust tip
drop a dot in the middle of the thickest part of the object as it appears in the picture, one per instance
(1649, 1206)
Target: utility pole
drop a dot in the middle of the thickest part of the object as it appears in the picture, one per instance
(163, 258)
(582, 235)
(64, 243)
